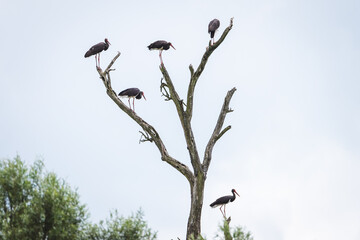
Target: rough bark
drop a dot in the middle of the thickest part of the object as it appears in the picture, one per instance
(197, 176)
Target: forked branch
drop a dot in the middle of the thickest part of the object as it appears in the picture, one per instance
(218, 131)
(145, 137)
(173, 94)
(185, 122)
(185, 116)
(164, 89)
(196, 74)
(150, 134)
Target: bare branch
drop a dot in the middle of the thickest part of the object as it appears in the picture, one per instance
(217, 133)
(191, 70)
(145, 137)
(173, 94)
(164, 90)
(185, 117)
(223, 131)
(185, 122)
(150, 133)
(182, 102)
(105, 76)
(195, 75)
(107, 70)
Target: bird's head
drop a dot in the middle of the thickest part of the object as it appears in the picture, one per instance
(142, 94)
(171, 45)
(107, 41)
(234, 191)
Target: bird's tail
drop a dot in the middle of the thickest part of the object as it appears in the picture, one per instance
(212, 34)
(87, 54)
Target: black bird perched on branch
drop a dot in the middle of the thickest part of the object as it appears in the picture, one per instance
(223, 201)
(97, 49)
(213, 26)
(132, 93)
(160, 45)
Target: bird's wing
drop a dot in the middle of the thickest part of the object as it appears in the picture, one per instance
(130, 92)
(213, 25)
(157, 45)
(122, 93)
(95, 49)
(221, 200)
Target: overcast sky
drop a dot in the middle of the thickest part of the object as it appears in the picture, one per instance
(293, 150)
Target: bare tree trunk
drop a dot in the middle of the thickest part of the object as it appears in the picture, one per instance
(197, 196)
(197, 176)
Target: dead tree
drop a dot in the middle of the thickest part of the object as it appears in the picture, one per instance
(197, 175)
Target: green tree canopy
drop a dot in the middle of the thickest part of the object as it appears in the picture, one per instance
(119, 228)
(36, 204)
(237, 233)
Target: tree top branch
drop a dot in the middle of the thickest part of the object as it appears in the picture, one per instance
(218, 133)
(195, 75)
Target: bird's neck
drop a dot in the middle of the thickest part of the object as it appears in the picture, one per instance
(234, 196)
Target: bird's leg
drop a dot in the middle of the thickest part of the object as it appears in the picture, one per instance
(133, 105)
(161, 57)
(129, 103)
(97, 59)
(224, 211)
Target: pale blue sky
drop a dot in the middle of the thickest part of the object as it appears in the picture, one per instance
(293, 150)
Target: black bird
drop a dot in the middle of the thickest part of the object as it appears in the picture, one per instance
(160, 45)
(132, 93)
(213, 26)
(223, 201)
(97, 49)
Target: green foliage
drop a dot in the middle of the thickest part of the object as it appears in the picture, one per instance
(120, 228)
(237, 233)
(36, 204)
(240, 233)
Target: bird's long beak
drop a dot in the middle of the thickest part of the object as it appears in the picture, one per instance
(172, 46)
(144, 96)
(107, 41)
(236, 193)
